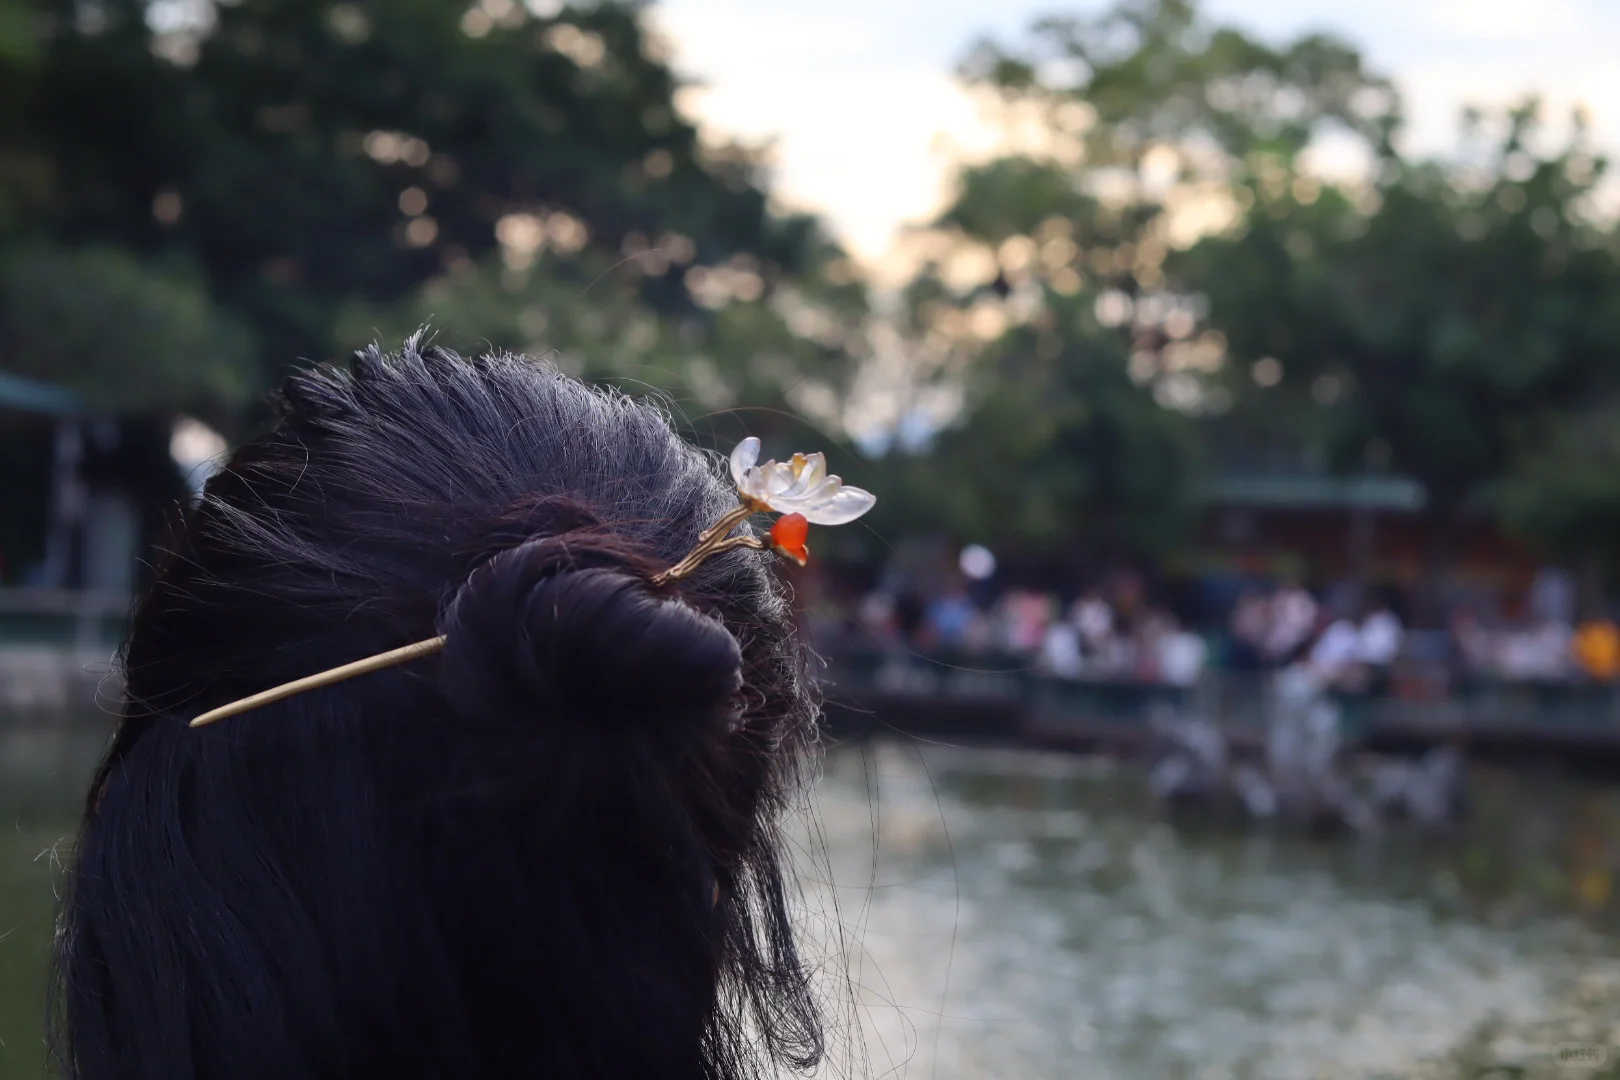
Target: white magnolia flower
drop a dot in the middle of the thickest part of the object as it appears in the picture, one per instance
(799, 485)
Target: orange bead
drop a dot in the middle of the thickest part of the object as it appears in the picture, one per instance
(790, 532)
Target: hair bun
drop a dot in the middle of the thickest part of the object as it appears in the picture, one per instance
(568, 625)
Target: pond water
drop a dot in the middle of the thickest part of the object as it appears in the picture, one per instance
(44, 768)
(995, 914)
(1024, 915)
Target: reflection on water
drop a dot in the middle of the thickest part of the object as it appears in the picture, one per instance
(1021, 915)
(1027, 916)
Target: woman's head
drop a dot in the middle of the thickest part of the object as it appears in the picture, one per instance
(548, 851)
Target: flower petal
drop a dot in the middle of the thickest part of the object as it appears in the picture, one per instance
(810, 474)
(752, 486)
(778, 477)
(826, 489)
(798, 485)
(822, 493)
(743, 458)
(845, 505)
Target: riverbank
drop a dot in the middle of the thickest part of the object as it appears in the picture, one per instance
(1573, 727)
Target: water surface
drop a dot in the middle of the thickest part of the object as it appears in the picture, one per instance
(1024, 915)
(984, 914)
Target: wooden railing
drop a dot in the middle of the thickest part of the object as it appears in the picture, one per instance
(1008, 690)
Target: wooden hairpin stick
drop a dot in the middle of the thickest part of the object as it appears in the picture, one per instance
(363, 666)
(800, 489)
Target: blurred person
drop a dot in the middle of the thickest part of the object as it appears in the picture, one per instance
(1150, 632)
(1181, 654)
(1335, 658)
(1473, 646)
(910, 613)
(1379, 634)
(1378, 641)
(1248, 629)
(1552, 596)
(1028, 614)
(1128, 601)
(950, 620)
(549, 849)
(1346, 594)
(878, 617)
(1597, 648)
(1093, 618)
(1001, 621)
(1294, 613)
(1538, 651)
(1060, 650)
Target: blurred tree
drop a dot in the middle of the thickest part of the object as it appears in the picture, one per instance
(1060, 456)
(192, 196)
(195, 196)
(22, 169)
(1154, 120)
(125, 339)
(1155, 127)
(308, 154)
(786, 353)
(1149, 74)
(1421, 331)
(1562, 492)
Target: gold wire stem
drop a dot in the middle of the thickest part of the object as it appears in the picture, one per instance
(727, 523)
(712, 541)
(324, 678)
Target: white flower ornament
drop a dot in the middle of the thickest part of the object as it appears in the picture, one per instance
(799, 489)
(799, 485)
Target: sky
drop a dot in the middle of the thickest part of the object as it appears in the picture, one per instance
(858, 99)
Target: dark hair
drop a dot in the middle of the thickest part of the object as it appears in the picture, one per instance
(549, 851)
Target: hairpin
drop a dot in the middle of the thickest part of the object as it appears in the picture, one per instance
(800, 489)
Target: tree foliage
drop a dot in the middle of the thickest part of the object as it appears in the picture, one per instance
(1173, 267)
(122, 337)
(1165, 286)
(1088, 372)
(1153, 73)
(304, 160)
(1562, 490)
(1423, 333)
